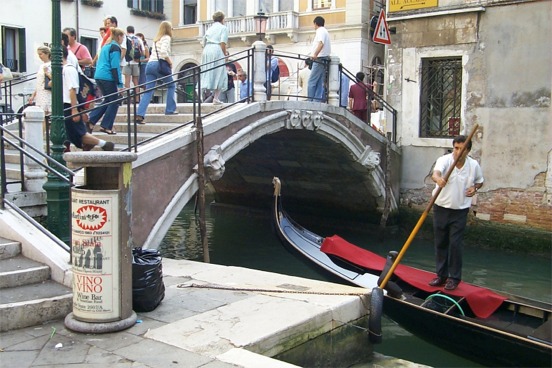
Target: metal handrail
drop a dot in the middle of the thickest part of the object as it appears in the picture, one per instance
(345, 72)
(24, 149)
(126, 96)
(36, 224)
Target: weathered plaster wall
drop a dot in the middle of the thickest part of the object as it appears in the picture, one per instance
(507, 78)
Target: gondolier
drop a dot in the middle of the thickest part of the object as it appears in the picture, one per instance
(492, 328)
(450, 211)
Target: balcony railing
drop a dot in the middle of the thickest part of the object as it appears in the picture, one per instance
(244, 26)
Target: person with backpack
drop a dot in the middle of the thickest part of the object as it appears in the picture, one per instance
(75, 123)
(109, 79)
(133, 56)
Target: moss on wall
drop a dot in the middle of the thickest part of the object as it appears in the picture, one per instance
(484, 234)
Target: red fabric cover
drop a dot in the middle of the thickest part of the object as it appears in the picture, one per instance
(483, 302)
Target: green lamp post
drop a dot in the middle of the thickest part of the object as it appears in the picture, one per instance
(57, 190)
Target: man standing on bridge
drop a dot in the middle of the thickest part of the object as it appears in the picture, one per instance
(320, 55)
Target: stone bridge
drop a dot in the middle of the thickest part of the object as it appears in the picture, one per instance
(327, 159)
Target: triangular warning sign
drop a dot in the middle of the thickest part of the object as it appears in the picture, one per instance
(381, 34)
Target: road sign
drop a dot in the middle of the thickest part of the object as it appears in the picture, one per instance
(381, 35)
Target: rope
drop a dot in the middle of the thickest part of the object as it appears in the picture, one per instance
(220, 287)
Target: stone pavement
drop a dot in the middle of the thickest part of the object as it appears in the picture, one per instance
(241, 325)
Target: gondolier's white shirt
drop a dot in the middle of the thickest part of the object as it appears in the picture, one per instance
(453, 195)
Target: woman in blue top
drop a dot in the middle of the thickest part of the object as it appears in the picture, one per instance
(215, 41)
(109, 80)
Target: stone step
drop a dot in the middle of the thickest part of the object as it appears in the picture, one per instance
(159, 118)
(28, 297)
(12, 171)
(34, 304)
(148, 128)
(9, 248)
(183, 108)
(19, 270)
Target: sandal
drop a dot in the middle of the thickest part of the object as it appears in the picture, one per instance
(107, 131)
(139, 120)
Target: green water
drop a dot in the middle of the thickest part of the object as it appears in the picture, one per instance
(247, 240)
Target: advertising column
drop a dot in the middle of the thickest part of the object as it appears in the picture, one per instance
(95, 255)
(101, 242)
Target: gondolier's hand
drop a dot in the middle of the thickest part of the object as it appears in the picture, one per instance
(438, 179)
(470, 192)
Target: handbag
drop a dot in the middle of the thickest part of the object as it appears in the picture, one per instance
(89, 71)
(164, 67)
(47, 83)
(6, 73)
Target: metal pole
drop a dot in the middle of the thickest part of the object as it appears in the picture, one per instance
(57, 191)
(201, 190)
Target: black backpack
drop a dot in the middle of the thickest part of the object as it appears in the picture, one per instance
(134, 52)
(275, 75)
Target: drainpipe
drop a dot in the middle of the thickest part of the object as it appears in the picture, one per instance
(77, 27)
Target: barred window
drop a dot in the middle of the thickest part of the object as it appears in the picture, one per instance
(440, 97)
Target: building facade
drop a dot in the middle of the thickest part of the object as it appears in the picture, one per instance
(455, 63)
(289, 29)
(26, 25)
(451, 64)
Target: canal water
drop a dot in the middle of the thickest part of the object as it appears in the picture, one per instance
(238, 237)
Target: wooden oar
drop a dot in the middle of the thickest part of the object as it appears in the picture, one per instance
(426, 211)
(376, 303)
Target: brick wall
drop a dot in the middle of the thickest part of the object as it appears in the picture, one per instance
(531, 207)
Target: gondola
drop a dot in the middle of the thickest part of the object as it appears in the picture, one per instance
(492, 328)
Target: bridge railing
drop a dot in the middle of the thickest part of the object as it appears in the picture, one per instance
(347, 79)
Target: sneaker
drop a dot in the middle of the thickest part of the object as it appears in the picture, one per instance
(172, 113)
(452, 284)
(139, 119)
(87, 147)
(438, 281)
(217, 102)
(109, 146)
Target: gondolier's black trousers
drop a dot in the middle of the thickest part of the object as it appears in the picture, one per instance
(448, 230)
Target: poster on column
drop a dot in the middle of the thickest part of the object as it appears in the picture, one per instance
(95, 253)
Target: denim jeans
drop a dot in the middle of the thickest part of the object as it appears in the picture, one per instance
(108, 108)
(152, 73)
(316, 90)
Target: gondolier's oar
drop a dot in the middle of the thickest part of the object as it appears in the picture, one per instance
(376, 306)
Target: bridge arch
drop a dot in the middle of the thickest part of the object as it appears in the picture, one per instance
(365, 155)
(361, 157)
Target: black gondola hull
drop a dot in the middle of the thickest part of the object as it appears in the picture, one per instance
(472, 341)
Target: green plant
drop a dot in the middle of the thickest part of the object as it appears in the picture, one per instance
(147, 14)
(94, 3)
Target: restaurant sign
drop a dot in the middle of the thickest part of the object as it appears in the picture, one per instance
(404, 5)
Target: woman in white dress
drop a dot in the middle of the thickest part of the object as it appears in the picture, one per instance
(42, 97)
(213, 64)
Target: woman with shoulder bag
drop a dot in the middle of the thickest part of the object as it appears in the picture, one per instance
(42, 95)
(160, 54)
